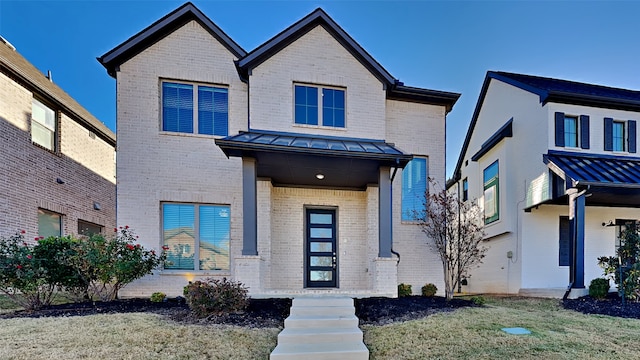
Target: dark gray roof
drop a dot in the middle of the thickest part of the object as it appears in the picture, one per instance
(21, 70)
(245, 62)
(161, 28)
(273, 141)
(596, 169)
(551, 90)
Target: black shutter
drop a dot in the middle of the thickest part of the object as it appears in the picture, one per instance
(632, 136)
(565, 242)
(608, 134)
(584, 131)
(560, 129)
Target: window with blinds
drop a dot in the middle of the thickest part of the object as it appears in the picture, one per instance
(414, 187)
(195, 108)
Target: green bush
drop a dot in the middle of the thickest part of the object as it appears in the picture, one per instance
(214, 297)
(429, 290)
(478, 300)
(23, 277)
(404, 290)
(629, 255)
(599, 288)
(158, 297)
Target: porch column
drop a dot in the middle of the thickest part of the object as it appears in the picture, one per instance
(576, 219)
(249, 207)
(385, 235)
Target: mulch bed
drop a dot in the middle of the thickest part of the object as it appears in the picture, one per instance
(380, 311)
(611, 305)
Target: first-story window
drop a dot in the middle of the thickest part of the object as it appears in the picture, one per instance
(88, 228)
(43, 125)
(414, 188)
(491, 193)
(317, 102)
(197, 236)
(49, 223)
(195, 109)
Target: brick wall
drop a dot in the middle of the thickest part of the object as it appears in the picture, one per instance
(28, 172)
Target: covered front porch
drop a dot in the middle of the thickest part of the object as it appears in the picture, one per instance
(317, 214)
(597, 181)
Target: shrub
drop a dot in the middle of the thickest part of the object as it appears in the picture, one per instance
(629, 255)
(404, 290)
(214, 297)
(55, 254)
(477, 300)
(599, 288)
(429, 290)
(158, 297)
(22, 275)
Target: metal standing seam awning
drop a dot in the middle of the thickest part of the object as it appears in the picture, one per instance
(295, 159)
(611, 180)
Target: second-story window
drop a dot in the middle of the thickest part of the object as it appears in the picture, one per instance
(572, 131)
(318, 104)
(195, 109)
(43, 125)
(619, 135)
(491, 193)
(465, 190)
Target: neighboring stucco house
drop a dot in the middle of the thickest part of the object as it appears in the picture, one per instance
(554, 164)
(58, 161)
(281, 159)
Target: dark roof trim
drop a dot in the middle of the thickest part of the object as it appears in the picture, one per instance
(298, 29)
(160, 29)
(505, 131)
(21, 70)
(592, 100)
(423, 96)
(600, 170)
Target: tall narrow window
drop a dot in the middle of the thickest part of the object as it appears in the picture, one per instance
(570, 131)
(196, 231)
(190, 107)
(618, 136)
(316, 102)
(465, 190)
(49, 223)
(564, 244)
(414, 187)
(491, 193)
(43, 125)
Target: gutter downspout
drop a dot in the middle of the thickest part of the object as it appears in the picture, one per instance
(393, 176)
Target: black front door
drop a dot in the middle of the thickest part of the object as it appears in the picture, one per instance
(321, 252)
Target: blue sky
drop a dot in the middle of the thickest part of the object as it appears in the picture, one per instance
(442, 45)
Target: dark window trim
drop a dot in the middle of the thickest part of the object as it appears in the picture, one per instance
(320, 87)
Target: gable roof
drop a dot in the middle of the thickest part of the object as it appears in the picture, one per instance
(160, 29)
(21, 70)
(551, 90)
(247, 61)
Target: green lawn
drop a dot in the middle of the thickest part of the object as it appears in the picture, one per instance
(471, 333)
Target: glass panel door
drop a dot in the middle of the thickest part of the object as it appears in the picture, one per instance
(321, 253)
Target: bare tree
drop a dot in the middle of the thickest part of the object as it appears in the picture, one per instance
(456, 230)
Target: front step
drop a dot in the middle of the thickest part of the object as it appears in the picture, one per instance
(321, 328)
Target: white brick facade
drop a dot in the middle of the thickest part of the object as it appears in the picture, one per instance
(156, 167)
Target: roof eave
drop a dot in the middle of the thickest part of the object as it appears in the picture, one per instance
(423, 96)
(591, 100)
(161, 28)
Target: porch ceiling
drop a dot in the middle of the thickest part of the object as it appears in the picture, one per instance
(294, 159)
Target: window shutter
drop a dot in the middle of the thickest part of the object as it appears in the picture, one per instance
(608, 134)
(632, 136)
(584, 131)
(559, 129)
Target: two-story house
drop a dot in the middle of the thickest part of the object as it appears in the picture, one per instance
(58, 161)
(292, 168)
(554, 165)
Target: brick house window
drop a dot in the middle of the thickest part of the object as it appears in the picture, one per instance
(313, 103)
(43, 125)
(196, 231)
(49, 223)
(414, 187)
(89, 228)
(195, 109)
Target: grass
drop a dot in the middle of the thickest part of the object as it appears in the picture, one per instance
(476, 333)
(466, 333)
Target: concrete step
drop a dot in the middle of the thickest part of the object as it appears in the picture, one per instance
(320, 321)
(319, 335)
(322, 301)
(322, 310)
(334, 351)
